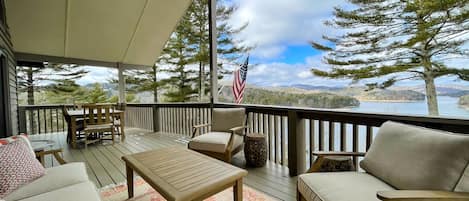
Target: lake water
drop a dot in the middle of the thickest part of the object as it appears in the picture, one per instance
(448, 106)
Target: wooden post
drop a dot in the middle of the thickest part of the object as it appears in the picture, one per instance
(213, 51)
(156, 118)
(296, 144)
(22, 119)
(121, 83)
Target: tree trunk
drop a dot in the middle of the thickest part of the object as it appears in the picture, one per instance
(430, 89)
(432, 101)
(30, 86)
(30, 89)
(200, 80)
(155, 89)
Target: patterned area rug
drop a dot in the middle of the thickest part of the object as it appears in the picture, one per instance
(144, 192)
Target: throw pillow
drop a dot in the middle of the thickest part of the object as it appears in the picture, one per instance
(23, 137)
(17, 167)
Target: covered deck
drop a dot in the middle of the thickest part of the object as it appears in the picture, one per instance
(105, 166)
(292, 134)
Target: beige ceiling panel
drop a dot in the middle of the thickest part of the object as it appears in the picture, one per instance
(102, 29)
(126, 31)
(37, 26)
(156, 25)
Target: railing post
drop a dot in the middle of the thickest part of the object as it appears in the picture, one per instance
(296, 144)
(156, 118)
(22, 119)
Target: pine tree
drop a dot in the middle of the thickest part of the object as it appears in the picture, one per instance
(142, 80)
(30, 78)
(196, 34)
(228, 49)
(398, 40)
(176, 56)
(96, 94)
(65, 91)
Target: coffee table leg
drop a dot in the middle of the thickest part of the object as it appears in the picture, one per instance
(130, 181)
(238, 190)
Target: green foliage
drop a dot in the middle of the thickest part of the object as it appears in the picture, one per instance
(61, 76)
(186, 56)
(315, 100)
(129, 98)
(141, 81)
(64, 91)
(397, 40)
(96, 94)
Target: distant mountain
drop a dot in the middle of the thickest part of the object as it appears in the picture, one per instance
(391, 95)
(313, 87)
(446, 90)
(284, 98)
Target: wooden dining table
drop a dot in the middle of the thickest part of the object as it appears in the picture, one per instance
(79, 113)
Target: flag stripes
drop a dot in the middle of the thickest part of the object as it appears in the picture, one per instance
(239, 81)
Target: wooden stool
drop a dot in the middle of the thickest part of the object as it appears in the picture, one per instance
(255, 150)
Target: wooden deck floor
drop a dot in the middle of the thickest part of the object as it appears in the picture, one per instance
(104, 164)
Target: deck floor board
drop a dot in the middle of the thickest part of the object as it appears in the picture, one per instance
(105, 166)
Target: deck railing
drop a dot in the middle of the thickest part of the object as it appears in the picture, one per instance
(176, 118)
(292, 133)
(37, 119)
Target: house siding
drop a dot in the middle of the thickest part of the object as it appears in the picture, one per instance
(11, 105)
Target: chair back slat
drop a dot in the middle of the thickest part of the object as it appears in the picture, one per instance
(97, 114)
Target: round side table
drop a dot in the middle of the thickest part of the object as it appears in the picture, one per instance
(255, 150)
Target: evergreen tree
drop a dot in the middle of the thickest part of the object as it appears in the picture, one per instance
(176, 56)
(398, 40)
(129, 98)
(141, 80)
(30, 78)
(228, 49)
(194, 25)
(65, 91)
(96, 94)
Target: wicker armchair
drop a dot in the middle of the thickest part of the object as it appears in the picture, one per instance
(226, 135)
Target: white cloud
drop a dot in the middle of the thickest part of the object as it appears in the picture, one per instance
(274, 24)
(283, 74)
(97, 74)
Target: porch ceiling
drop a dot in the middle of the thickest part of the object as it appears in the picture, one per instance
(108, 31)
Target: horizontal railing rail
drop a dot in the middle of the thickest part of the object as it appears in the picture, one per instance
(292, 133)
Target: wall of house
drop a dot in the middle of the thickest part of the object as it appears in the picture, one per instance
(11, 98)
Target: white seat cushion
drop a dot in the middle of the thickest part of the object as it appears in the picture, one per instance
(78, 192)
(215, 142)
(55, 178)
(340, 186)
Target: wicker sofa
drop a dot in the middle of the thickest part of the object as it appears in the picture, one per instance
(403, 163)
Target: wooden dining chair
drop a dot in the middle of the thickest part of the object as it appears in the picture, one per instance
(79, 124)
(117, 121)
(98, 121)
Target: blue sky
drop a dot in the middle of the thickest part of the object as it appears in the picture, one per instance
(281, 31)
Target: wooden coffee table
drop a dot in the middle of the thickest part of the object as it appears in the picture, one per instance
(181, 174)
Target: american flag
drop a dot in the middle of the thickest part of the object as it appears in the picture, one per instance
(239, 81)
